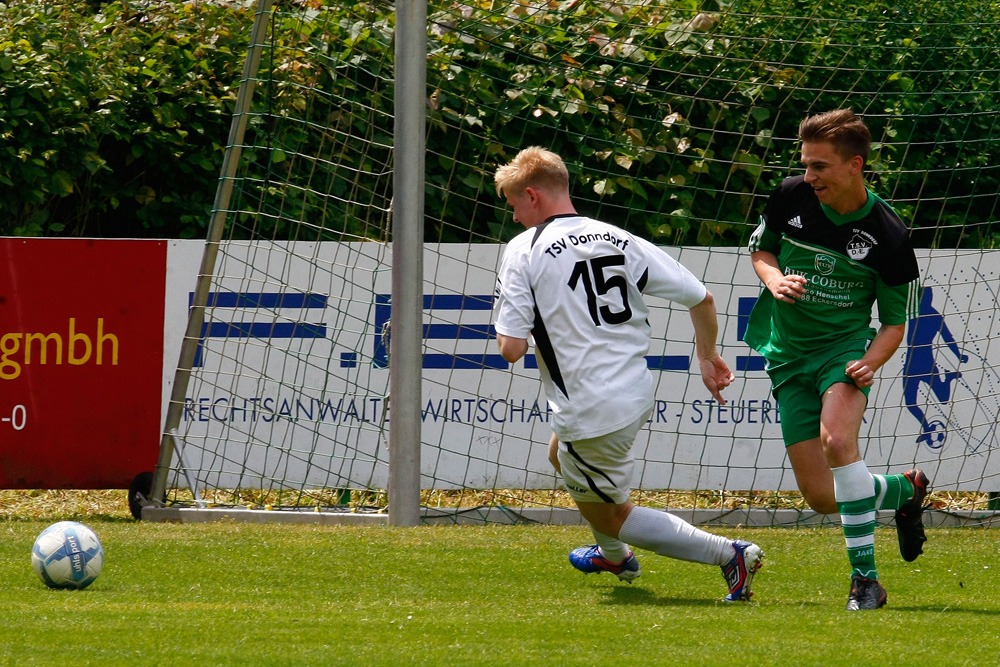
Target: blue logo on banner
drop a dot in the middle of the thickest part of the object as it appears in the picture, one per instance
(256, 301)
(447, 302)
(920, 367)
(948, 389)
(473, 302)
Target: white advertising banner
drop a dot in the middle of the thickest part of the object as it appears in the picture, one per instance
(321, 402)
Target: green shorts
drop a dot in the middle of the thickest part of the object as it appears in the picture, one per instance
(798, 387)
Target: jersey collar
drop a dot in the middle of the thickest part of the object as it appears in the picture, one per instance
(853, 216)
(552, 218)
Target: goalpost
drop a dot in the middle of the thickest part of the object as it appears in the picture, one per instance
(339, 363)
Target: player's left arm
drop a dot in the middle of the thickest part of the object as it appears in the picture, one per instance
(882, 347)
(952, 344)
(896, 305)
(715, 372)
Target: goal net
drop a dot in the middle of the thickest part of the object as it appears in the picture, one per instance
(676, 120)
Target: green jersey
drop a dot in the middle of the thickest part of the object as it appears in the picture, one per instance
(850, 262)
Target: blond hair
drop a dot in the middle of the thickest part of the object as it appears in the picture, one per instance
(533, 167)
(843, 130)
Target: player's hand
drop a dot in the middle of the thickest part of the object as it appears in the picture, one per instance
(716, 375)
(862, 374)
(788, 288)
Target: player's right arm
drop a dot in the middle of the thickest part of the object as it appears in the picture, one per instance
(787, 288)
(554, 453)
(765, 243)
(511, 348)
(513, 303)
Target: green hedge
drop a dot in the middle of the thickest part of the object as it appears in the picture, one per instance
(113, 115)
(680, 121)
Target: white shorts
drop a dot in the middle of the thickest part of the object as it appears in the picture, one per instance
(600, 470)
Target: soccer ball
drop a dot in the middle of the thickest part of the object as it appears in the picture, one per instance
(67, 555)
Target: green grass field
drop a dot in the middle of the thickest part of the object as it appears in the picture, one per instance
(235, 594)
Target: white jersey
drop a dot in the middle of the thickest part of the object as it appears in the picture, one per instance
(576, 286)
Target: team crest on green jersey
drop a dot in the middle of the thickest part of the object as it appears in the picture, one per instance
(859, 246)
(824, 264)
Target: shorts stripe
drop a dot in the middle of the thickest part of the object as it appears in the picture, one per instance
(590, 480)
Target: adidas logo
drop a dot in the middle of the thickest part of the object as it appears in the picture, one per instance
(795, 222)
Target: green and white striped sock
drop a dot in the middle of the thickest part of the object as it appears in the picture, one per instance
(854, 489)
(892, 491)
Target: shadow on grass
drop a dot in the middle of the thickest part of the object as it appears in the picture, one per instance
(633, 595)
(626, 595)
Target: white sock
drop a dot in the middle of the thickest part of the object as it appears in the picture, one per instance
(674, 537)
(853, 482)
(613, 549)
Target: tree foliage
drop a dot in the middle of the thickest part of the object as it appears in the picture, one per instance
(677, 117)
(113, 116)
(680, 117)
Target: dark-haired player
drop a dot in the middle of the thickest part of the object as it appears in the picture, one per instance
(827, 250)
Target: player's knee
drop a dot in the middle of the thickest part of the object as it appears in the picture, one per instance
(840, 447)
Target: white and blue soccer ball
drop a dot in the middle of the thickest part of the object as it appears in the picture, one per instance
(67, 554)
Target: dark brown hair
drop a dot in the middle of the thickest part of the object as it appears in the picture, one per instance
(847, 133)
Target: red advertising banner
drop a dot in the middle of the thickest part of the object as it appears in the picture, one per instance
(81, 361)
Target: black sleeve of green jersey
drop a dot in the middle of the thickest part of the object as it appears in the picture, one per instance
(790, 198)
(905, 269)
(900, 267)
(774, 217)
